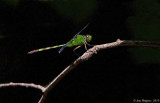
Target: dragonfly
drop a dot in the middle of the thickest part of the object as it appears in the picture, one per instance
(78, 40)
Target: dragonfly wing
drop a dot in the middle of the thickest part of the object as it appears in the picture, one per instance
(78, 33)
(62, 48)
(82, 30)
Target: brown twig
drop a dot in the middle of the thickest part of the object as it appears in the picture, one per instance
(31, 85)
(88, 54)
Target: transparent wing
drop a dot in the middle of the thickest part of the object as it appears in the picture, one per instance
(62, 48)
(80, 31)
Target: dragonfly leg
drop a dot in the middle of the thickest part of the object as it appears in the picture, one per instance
(90, 44)
(85, 46)
(75, 53)
(76, 48)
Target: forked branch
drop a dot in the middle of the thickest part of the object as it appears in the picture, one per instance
(87, 55)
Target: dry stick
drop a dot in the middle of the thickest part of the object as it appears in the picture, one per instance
(88, 54)
(31, 85)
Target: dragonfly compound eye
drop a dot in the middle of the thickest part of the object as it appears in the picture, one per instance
(88, 38)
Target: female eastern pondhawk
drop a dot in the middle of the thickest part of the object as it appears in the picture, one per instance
(78, 40)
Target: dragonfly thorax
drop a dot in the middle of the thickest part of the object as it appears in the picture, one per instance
(88, 38)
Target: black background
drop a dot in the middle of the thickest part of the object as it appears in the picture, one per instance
(111, 76)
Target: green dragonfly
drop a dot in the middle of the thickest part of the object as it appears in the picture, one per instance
(78, 40)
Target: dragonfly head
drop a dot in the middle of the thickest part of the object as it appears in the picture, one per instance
(88, 38)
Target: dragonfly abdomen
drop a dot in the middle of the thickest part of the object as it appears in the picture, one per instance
(42, 49)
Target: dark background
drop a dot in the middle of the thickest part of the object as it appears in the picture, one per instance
(112, 76)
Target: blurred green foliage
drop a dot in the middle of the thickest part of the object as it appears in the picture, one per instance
(77, 10)
(1, 36)
(12, 2)
(45, 0)
(145, 26)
